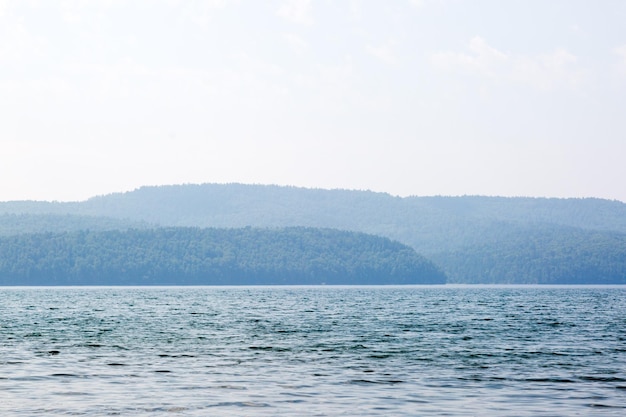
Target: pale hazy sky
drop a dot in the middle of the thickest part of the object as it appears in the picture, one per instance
(410, 97)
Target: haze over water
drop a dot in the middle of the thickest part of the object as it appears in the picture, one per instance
(313, 350)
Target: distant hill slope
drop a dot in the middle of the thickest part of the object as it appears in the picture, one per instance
(446, 229)
(429, 224)
(546, 255)
(182, 256)
(12, 224)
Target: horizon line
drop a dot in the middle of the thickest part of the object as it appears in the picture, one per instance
(235, 183)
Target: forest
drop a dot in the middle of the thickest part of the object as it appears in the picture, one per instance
(541, 256)
(473, 239)
(195, 256)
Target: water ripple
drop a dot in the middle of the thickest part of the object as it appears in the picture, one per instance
(313, 350)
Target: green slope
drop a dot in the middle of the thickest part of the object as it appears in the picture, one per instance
(183, 256)
(444, 228)
(12, 224)
(548, 255)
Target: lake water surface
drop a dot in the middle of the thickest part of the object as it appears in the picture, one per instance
(327, 351)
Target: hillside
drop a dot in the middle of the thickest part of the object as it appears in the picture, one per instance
(453, 231)
(548, 255)
(184, 256)
(12, 224)
(239, 204)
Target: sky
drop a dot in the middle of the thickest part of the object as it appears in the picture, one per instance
(408, 97)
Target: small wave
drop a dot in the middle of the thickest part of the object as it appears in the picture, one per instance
(363, 381)
(234, 387)
(379, 356)
(599, 405)
(593, 378)
(184, 355)
(74, 393)
(380, 382)
(260, 347)
(551, 380)
(240, 404)
(120, 347)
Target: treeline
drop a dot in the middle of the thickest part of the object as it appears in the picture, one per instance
(417, 219)
(14, 224)
(195, 256)
(472, 239)
(549, 255)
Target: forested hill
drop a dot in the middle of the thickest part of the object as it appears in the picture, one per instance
(239, 205)
(14, 224)
(532, 237)
(184, 256)
(547, 255)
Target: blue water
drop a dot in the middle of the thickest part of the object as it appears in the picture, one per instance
(357, 351)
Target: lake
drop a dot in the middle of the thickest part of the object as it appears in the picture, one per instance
(319, 351)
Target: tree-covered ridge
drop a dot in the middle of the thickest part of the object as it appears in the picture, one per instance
(239, 205)
(184, 256)
(14, 224)
(550, 255)
(471, 238)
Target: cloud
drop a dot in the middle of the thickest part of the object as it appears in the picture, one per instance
(17, 43)
(297, 11)
(555, 70)
(417, 3)
(384, 52)
(355, 10)
(296, 42)
(482, 59)
(620, 51)
(202, 12)
(547, 71)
